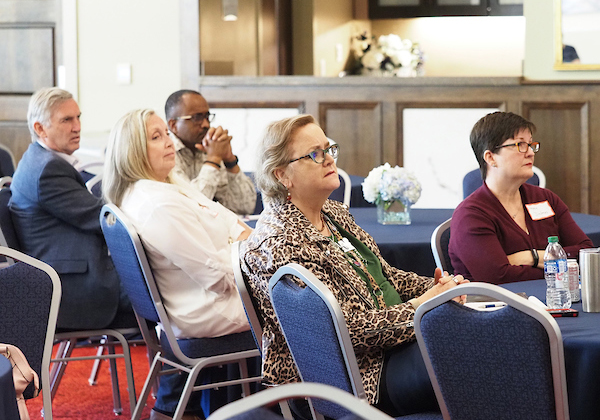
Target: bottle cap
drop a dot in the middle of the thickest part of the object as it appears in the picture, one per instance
(552, 239)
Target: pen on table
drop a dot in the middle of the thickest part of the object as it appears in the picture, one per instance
(489, 305)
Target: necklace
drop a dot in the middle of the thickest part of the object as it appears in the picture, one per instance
(323, 224)
(355, 259)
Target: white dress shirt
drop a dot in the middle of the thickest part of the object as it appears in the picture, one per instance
(187, 239)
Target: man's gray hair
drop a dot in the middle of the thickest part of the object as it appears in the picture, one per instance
(41, 105)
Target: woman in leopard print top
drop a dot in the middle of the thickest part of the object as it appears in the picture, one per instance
(297, 173)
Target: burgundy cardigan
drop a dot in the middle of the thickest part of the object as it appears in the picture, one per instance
(482, 234)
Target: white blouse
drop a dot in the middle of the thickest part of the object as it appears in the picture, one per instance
(187, 240)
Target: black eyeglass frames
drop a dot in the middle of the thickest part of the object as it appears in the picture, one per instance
(318, 155)
(199, 117)
(523, 146)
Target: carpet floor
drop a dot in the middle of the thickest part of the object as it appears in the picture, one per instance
(76, 399)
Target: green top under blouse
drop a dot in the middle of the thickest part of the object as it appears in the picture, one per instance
(390, 295)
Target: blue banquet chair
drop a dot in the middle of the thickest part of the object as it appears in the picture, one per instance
(472, 180)
(316, 333)
(7, 161)
(440, 239)
(253, 407)
(499, 364)
(193, 354)
(30, 293)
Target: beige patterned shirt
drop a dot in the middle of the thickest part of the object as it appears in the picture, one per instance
(234, 191)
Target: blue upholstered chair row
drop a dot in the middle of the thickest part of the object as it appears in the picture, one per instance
(67, 339)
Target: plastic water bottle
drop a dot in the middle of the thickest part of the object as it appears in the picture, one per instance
(556, 274)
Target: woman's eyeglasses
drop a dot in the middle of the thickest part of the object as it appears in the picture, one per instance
(199, 117)
(523, 146)
(318, 155)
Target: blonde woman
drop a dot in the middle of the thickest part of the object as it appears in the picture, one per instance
(186, 236)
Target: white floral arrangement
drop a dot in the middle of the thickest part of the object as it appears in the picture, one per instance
(386, 184)
(388, 53)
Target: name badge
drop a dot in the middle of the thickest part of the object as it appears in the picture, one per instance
(539, 211)
(345, 245)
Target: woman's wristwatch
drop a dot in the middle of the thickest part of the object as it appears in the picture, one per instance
(536, 257)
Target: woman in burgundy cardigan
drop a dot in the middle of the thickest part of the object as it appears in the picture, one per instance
(499, 233)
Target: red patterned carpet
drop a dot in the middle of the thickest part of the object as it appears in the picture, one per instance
(76, 399)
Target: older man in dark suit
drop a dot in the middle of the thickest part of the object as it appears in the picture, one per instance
(57, 219)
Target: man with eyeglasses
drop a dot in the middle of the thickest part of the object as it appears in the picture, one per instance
(204, 155)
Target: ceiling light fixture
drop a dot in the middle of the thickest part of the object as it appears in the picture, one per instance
(230, 10)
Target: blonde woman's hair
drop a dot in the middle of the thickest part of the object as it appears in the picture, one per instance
(126, 157)
(41, 105)
(274, 152)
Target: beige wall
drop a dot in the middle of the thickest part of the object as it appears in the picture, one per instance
(141, 33)
(540, 45)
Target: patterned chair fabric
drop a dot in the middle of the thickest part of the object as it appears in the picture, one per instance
(29, 299)
(502, 364)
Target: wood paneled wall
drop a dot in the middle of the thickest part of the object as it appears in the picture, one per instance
(367, 114)
(30, 39)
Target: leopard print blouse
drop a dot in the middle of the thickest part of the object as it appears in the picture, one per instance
(283, 235)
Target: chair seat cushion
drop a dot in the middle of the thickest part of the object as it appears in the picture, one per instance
(213, 346)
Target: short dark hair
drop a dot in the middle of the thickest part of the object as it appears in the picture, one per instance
(174, 100)
(494, 129)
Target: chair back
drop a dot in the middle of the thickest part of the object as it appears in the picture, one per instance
(472, 180)
(259, 207)
(8, 233)
(7, 161)
(344, 191)
(94, 185)
(501, 364)
(131, 263)
(250, 306)
(440, 239)
(316, 333)
(5, 182)
(134, 271)
(30, 292)
(250, 408)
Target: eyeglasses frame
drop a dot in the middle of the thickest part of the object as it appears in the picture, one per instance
(207, 116)
(535, 146)
(325, 152)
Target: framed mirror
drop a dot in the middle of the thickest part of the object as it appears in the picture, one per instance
(577, 31)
